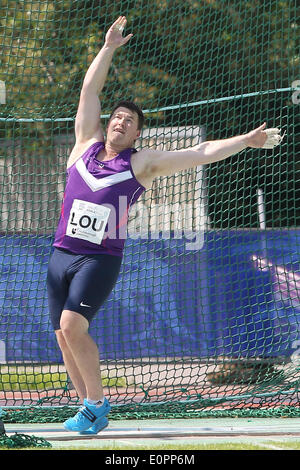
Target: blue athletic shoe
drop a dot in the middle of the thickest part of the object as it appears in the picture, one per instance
(99, 426)
(87, 416)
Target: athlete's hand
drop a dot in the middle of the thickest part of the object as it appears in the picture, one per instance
(263, 138)
(256, 138)
(114, 36)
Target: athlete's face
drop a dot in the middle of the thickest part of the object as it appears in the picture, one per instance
(122, 128)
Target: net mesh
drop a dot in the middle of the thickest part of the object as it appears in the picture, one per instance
(205, 316)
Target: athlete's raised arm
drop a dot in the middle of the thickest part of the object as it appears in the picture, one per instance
(166, 163)
(87, 123)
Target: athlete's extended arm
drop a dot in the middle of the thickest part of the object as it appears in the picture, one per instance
(166, 163)
(87, 123)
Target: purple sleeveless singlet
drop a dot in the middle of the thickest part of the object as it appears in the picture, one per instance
(97, 198)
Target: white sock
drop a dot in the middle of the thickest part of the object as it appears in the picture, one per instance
(95, 402)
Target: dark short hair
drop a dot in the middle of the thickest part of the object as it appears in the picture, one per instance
(133, 107)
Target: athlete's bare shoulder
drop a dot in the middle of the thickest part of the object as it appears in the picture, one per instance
(79, 149)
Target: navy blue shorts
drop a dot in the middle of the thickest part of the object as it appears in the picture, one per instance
(80, 283)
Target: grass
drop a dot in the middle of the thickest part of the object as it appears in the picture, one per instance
(22, 379)
(266, 445)
(115, 446)
(39, 381)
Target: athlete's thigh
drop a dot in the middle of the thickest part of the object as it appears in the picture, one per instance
(92, 284)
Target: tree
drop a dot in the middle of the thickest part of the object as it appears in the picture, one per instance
(181, 52)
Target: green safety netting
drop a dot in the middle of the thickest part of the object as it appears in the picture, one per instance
(204, 319)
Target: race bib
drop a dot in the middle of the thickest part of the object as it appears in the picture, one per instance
(87, 221)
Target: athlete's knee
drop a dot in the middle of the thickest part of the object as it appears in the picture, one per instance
(73, 325)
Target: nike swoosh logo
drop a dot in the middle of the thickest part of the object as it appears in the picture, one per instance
(83, 305)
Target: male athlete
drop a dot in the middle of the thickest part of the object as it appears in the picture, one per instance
(104, 179)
